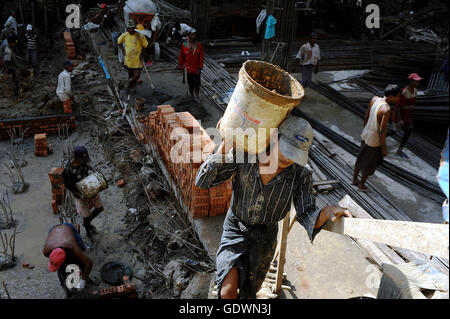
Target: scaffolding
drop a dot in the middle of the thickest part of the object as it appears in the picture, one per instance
(278, 49)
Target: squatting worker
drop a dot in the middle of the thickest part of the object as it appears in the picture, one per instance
(259, 202)
(64, 246)
(308, 57)
(64, 88)
(77, 169)
(134, 42)
(373, 144)
(192, 59)
(402, 117)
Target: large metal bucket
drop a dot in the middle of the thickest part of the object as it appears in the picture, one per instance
(263, 97)
(92, 185)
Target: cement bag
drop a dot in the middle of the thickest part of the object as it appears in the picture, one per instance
(138, 6)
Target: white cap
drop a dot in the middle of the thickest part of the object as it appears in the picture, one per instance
(29, 27)
(296, 136)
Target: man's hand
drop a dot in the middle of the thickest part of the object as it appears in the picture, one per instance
(316, 70)
(331, 212)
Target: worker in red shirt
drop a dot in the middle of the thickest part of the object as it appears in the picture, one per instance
(402, 117)
(191, 62)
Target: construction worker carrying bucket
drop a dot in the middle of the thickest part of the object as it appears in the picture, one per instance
(261, 198)
(76, 170)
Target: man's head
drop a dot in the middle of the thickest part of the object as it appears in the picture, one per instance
(29, 29)
(192, 35)
(68, 65)
(414, 80)
(295, 138)
(12, 13)
(80, 155)
(56, 259)
(313, 38)
(177, 26)
(392, 93)
(131, 27)
(104, 7)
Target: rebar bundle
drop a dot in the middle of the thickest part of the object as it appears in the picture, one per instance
(417, 143)
(278, 50)
(403, 176)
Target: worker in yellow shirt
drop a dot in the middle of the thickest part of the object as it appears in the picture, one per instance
(133, 43)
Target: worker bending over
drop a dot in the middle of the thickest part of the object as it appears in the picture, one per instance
(259, 201)
(373, 144)
(402, 117)
(64, 246)
(77, 169)
(134, 42)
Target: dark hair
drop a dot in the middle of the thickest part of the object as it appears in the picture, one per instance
(392, 90)
(177, 26)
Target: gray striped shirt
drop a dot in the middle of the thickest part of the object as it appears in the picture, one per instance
(257, 204)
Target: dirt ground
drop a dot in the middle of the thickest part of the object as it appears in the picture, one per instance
(145, 233)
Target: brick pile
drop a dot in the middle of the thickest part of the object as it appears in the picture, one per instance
(176, 134)
(58, 188)
(40, 145)
(125, 291)
(69, 45)
(36, 125)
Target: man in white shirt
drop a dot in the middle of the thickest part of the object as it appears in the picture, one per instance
(308, 56)
(64, 90)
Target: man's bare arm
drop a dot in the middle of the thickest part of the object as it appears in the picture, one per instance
(85, 260)
(383, 129)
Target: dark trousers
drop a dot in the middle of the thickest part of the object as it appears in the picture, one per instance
(307, 71)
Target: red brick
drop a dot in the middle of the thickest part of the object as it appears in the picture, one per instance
(198, 211)
(55, 207)
(121, 183)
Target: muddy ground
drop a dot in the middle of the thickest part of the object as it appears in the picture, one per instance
(143, 230)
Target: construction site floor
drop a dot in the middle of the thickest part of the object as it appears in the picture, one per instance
(332, 267)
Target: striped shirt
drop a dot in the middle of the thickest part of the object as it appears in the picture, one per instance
(257, 204)
(31, 41)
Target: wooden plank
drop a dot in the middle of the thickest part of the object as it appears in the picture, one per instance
(422, 237)
(282, 258)
(359, 212)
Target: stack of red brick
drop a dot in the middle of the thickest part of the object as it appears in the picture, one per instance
(37, 125)
(40, 144)
(58, 188)
(181, 134)
(70, 46)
